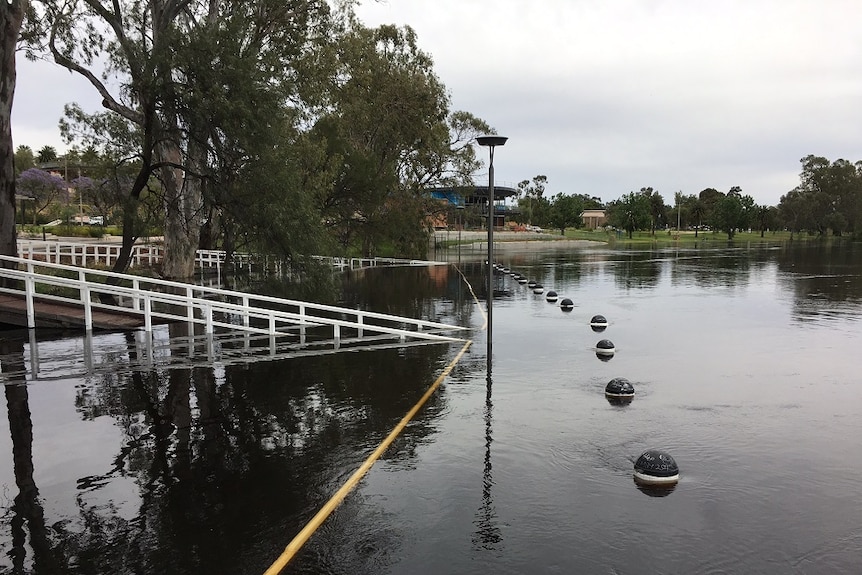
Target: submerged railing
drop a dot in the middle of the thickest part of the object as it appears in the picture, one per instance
(149, 254)
(156, 299)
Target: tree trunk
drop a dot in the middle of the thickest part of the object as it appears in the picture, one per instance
(182, 212)
(11, 18)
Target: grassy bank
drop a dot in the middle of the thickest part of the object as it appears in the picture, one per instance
(685, 238)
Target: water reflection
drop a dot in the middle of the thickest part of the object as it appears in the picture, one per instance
(26, 519)
(488, 535)
(824, 278)
(221, 458)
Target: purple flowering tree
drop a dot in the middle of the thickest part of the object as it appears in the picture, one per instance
(43, 187)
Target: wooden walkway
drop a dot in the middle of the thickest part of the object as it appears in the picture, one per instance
(52, 314)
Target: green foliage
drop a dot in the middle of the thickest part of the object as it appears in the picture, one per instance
(631, 212)
(829, 197)
(733, 212)
(24, 159)
(566, 212)
(46, 154)
(387, 134)
(531, 201)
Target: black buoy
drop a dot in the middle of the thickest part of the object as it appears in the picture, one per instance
(604, 356)
(522, 280)
(506, 270)
(531, 283)
(620, 388)
(538, 289)
(655, 467)
(605, 347)
(551, 296)
(567, 304)
(599, 321)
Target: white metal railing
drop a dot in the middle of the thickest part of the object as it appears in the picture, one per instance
(201, 305)
(85, 253)
(356, 263)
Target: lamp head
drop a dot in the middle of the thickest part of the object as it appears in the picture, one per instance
(492, 140)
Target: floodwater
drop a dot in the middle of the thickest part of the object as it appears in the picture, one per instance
(120, 455)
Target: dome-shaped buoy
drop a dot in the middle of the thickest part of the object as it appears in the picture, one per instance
(604, 356)
(606, 347)
(531, 283)
(551, 296)
(620, 388)
(567, 304)
(655, 467)
(522, 280)
(599, 321)
(538, 289)
(506, 270)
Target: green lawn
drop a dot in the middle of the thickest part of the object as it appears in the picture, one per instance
(685, 238)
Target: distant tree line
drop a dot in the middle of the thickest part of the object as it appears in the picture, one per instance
(828, 200)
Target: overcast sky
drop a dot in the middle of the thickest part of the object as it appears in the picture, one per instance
(607, 97)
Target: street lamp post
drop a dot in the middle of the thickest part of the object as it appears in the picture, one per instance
(460, 209)
(491, 142)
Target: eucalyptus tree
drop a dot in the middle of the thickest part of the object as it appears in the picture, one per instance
(533, 192)
(194, 81)
(631, 212)
(566, 211)
(384, 134)
(12, 14)
(831, 194)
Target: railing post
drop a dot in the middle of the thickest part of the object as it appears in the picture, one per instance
(208, 312)
(85, 299)
(245, 316)
(148, 316)
(360, 321)
(136, 298)
(30, 288)
(190, 308)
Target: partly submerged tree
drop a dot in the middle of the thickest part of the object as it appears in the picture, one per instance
(385, 134)
(12, 14)
(192, 79)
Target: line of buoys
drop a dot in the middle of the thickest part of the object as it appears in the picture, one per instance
(656, 473)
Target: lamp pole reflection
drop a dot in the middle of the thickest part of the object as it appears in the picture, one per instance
(487, 535)
(490, 142)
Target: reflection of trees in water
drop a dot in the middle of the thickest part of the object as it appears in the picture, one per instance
(26, 515)
(823, 276)
(435, 293)
(231, 462)
(636, 269)
(714, 268)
